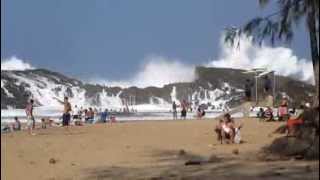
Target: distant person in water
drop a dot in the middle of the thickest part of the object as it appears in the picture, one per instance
(86, 115)
(30, 118)
(104, 116)
(184, 112)
(174, 110)
(90, 115)
(184, 107)
(200, 112)
(66, 112)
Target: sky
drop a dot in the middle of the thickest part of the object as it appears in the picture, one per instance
(114, 39)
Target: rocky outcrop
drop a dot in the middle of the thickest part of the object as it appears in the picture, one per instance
(216, 87)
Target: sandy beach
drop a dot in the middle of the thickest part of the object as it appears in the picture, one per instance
(145, 150)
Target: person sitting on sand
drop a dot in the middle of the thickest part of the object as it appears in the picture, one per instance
(45, 122)
(295, 121)
(16, 125)
(268, 113)
(260, 114)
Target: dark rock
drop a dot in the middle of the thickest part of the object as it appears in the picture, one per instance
(52, 161)
(235, 151)
(192, 162)
(182, 152)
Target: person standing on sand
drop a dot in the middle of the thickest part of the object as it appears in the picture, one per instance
(267, 85)
(184, 109)
(174, 110)
(248, 98)
(30, 117)
(66, 112)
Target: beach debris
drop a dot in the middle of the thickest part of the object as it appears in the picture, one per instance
(182, 152)
(235, 151)
(52, 161)
(298, 157)
(277, 174)
(156, 178)
(192, 162)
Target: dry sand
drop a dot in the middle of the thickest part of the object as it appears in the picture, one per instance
(145, 150)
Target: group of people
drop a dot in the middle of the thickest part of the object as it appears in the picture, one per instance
(184, 109)
(89, 115)
(79, 116)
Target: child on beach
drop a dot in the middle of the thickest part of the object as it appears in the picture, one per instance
(174, 110)
(283, 109)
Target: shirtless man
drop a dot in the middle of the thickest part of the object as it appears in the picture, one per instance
(66, 112)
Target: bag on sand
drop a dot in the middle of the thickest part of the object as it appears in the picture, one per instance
(237, 137)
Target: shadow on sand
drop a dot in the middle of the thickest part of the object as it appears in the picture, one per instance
(171, 165)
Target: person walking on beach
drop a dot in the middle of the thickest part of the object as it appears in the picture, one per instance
(66, 112)
(174, 110)
(184, 109)
(30, 118)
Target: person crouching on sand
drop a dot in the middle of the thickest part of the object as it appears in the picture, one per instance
(30, 117)
(66, 112)
(228, 129)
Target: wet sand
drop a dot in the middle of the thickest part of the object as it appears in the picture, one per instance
(145, 150)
